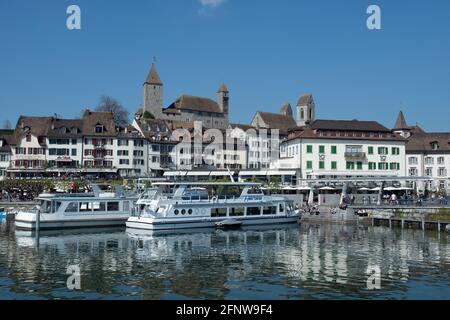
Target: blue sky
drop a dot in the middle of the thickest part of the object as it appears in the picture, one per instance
(267, 52)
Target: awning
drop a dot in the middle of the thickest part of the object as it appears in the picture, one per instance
(280, 173)
(174, 173)
(303, 188)
(253, 173)
(220, 173)
(198, 173)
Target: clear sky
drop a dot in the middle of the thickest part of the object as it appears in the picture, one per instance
(266, 51)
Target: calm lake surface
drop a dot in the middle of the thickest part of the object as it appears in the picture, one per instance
(285, 262)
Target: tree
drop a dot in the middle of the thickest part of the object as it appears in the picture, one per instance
(7, 125)
(120, 114)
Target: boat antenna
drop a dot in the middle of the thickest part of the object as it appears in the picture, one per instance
(231, 176)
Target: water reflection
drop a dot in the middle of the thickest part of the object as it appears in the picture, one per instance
(287, 262)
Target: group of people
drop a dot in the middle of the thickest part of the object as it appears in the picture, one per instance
(21, 190)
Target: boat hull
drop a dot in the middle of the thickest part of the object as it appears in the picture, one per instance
(172, 224)
(27, 221)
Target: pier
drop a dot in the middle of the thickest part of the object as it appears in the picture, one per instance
(422, 217)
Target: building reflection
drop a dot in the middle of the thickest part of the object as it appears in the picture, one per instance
(307, 261)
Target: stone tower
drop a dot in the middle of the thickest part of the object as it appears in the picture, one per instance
(153, 93)
(223, 98)
(306, 110)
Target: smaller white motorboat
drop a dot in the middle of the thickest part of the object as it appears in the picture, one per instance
(229, 224)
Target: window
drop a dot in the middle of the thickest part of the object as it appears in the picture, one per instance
(440, 160)
(429, 160)
(99, 206)
(333, 150)
(442, 172)
(74, 152)
(99, 129)
(219, 212)
(394, 166)
(113, 206)
(309, 149)
(359, 165)
(383, 166)
(309, 165)
(412, 161)
(372, 166)
(253, 211)
(350, 165)
(383, 150)
(321, 149)
(429, 171)
(236, 212)
(370, 150)
(333, 165)
(85, 206)
(413, 172)
(72, 207)
(321, 165)
(28, 138)
(395, 151)
(281, 208)
(269, 210)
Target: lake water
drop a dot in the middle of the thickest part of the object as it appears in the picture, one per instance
(286, 262)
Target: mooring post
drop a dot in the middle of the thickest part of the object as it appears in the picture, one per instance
(390, 223)
(373, 221)
(423, 224)
(403, 223)
(38, 220)
(439, 226)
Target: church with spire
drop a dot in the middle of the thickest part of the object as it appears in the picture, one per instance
(186, 109)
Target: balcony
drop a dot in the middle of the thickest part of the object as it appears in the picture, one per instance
(355, 155)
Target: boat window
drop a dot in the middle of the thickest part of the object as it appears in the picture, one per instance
(190, 211)
(269, 210)
(46, 206)
(113, 206)
(85, 206)
(72, 207)
(183, 212)
(253, 211)
(57, 206)
(254, 190)
(236, 212)
(219, 212)
(99, 206)
(177, 212)
(126, 206)
(281, 208)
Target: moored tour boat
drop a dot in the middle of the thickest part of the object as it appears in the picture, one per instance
(83, 210)
(190, 205)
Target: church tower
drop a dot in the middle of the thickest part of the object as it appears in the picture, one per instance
(223, 98)
(401, 127)
(153, 93)
(306, 110)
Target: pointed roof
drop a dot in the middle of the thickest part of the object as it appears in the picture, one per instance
(401, 124)
(153, 77)
(286, 109)
(223, 88)
(305, 100)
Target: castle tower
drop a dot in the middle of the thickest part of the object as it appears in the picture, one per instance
(223, 98)
(401, 127)
(153, 93)
(306, 110)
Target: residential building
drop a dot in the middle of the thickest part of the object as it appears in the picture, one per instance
(339, 148)
(427, 155)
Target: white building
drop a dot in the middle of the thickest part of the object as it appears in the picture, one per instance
(427, 155)
(5, 152)
(343, 149)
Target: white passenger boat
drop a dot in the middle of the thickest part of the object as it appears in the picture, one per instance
(84, 210)
(173, 206)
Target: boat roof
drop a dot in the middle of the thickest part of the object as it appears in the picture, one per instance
(203, 184)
